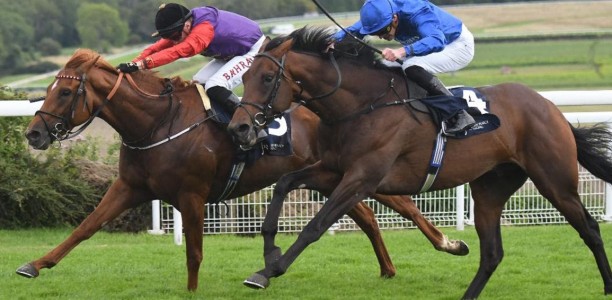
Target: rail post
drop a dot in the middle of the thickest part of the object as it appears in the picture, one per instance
(460, 195)
(156, 217)
(178, 226)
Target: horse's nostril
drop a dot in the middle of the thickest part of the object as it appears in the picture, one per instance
(32, 135)
(244, 128)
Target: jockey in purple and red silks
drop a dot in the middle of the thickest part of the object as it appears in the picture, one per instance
(230, 39)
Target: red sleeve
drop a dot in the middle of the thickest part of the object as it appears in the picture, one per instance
(154, 48)
(165, 51)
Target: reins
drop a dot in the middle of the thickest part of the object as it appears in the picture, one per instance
(60, 132)
(168, 91)
(263, 117)
(375, 106)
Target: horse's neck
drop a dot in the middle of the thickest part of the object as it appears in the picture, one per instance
(136, 116)
(360, 90)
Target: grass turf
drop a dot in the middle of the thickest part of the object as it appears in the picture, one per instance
(544, 262)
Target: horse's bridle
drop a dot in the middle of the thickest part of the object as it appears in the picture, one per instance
(266, 114)
(60, 130)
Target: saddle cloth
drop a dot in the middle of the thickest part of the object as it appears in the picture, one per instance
(443, 108)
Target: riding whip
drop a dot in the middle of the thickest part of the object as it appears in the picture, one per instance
(400, 61)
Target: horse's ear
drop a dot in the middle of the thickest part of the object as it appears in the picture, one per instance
(84, 68)
(264, 44)
(285, 46)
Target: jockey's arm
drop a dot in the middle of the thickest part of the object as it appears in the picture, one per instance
(165, 51)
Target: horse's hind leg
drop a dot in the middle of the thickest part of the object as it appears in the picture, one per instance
(118, 198)
(406, 207)
(364, 217)
(490, 193)
(562, 192)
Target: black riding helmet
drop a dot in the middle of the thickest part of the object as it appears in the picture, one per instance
(170, 18)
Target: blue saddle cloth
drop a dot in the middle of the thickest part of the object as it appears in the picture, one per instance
(277, 142)
(469, 99)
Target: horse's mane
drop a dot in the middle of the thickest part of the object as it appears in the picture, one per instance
(316, 40)
(82, 56)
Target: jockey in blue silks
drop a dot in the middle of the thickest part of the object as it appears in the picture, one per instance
(433, 41)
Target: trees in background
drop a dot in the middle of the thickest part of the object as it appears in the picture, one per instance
(30, 29)
(100, 27)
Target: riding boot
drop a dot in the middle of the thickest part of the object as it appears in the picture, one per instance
(228, 100)
(462, 120)
(230, 103)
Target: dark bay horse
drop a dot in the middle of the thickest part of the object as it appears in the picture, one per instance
(187, 159)
(372, 143)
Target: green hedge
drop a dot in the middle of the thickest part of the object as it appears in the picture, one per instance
(54, 188)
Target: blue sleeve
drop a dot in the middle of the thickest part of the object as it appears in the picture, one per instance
(432, 38)
(353, 29)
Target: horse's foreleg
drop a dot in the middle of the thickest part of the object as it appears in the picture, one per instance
(350, 191)
(192, 210)
(323, 181)
(291, 181)
(406, 207)
(118, 198)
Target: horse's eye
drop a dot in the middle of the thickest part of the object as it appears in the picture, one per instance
(65, 92)
(268, 78)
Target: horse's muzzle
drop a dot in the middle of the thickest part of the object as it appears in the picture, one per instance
(38, 140)
(243, 134)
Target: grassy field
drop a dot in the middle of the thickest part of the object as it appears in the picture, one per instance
(543, 65)
(542, 262)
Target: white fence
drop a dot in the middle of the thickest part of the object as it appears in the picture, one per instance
(446, 208)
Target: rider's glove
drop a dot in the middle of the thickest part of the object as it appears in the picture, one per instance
(129, 67)
(339, 36)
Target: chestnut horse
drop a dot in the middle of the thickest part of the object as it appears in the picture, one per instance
(372, 143)
(170, 151)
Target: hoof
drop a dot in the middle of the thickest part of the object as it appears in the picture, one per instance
(387, 274)
(257, 281)
(27, 270)
(463, 249)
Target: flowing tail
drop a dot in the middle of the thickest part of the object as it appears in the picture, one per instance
(594, 149)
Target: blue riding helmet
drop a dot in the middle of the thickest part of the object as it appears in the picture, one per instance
(375, 15)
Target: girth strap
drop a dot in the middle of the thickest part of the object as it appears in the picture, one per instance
(235, 173)
(435, 163)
